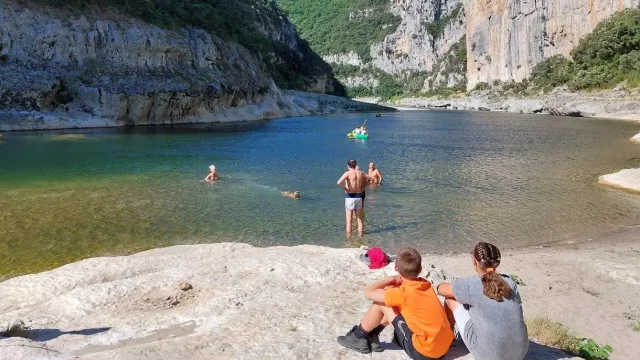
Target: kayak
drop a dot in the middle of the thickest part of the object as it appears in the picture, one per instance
(357, 136)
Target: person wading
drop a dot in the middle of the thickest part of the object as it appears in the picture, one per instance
(353, 183)
(374, 173)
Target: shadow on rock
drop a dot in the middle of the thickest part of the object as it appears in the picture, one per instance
(460, 352)
(50, 334)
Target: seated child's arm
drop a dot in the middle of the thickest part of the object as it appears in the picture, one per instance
(375, 291)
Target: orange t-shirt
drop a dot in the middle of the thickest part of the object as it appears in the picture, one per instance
(424, 314)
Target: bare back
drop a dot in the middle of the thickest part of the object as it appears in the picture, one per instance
(356, 181)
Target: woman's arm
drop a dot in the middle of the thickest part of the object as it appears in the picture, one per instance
(444, 289)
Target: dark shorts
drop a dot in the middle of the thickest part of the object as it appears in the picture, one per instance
(402, 337)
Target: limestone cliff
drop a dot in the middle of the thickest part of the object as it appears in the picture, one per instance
(503, 40)
(422, 41)
(508, 37)
(412, 47)
(115, 71)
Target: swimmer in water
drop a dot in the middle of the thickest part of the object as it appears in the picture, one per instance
(213, 175)
(291, 194)
(374, 174)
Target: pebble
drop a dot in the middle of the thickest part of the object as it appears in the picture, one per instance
(185, 286)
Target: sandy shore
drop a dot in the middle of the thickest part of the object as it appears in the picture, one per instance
(290, 302)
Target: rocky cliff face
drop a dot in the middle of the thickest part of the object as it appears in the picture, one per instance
(504, 40)
(508, 37)
(412, 47)
(421, 43)
(124, 72)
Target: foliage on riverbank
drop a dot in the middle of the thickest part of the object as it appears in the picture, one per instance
(254, 24)
(606, 57)
(552, 333)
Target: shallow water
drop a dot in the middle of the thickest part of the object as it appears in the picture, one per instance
(451, 179)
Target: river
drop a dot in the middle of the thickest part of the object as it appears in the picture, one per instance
(451, 178)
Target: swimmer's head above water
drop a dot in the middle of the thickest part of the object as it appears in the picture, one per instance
(212, 167)
(351, 164)
(292, 194)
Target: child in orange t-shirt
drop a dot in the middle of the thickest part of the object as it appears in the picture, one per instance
(410, 304)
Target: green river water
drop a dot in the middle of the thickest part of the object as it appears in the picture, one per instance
(451, 179)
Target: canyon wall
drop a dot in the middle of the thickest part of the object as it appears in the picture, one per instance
(116, 71)
(411, 47)
(506, 38)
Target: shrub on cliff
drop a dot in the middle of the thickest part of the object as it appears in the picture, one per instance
(555, 71)
(615, 36)
(602, 59)
(436, 28)
(387, 88)
(340, 26)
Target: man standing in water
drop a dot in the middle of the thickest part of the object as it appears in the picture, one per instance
(374, 174)
(353, 183)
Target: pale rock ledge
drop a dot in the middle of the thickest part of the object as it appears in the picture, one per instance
(628, 179)
(246, 303)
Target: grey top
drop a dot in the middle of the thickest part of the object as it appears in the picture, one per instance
(496, 330)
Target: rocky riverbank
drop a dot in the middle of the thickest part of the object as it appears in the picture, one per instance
(627, 179)
(286, 302)
(620, 103)
(278, 104)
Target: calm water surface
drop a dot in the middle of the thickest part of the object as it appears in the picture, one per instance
(451, 179)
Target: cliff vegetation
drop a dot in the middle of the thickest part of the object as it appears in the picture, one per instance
(341, 26)
(610, 55)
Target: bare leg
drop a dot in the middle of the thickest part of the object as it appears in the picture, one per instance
(377, 315)
(360, 222)
(372, 318)
(349, 214)
(449, 306)
(389, 315)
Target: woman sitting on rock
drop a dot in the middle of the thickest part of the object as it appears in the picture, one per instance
(487, 309)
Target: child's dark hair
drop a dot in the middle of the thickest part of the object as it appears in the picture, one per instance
(409, 263)
(488, 258)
